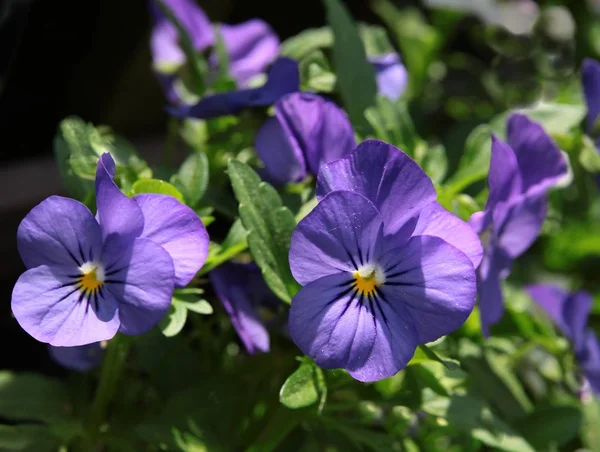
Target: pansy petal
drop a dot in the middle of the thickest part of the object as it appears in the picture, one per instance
(252, 46)
(436, 221)
(518, 224)
(435, 281)
(233, 290)
(589, 360)
(504, 179)
(164, 42)
(315, 127)
(81, 359)
(283, 79)
(341, 233)
(391, 75)
(48, 305)
(541, 162)
(177, 229)
(491, 300)
(386, 176)
(142, 280)
(577, 310)
(330, 322)
(590, 78)
(59, 231)
(552, 300)
(283, 162)
(119, 216)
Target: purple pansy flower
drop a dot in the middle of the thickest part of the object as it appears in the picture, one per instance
(81, 358)
(242, 290)
(391, 75)
(521, 172)
(384, 267)
(590, 77)
(283, 79)
(251, 46)
(306, 131)
(570, 312)
(89, 277)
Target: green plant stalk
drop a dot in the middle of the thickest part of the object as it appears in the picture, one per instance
(111, 371)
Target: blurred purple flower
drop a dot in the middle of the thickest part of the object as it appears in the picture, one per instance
(251, 46)
(521, 172)
(89, 277)
(81, 358)
(242, 290)
(590, 77)
(306, 132)
(570, 312)
(391, 75)
(384, 267)
(283, 79)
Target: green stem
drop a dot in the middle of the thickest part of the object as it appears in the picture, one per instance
(114, 361)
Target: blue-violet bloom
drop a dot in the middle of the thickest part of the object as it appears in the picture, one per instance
(306, 132)
(243, 293)
(391, 75)
(384, 267)
(590, 78)
(521, 172)
(81, 358)
(90, 277)
(570, 312)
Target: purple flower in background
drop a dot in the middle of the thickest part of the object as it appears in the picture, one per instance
(251, 46)
(283, 79)
(590, 78)
(384, 267)
(242, 290)
(306, 132)
(89, 277)
(570, 312)
(391, 75)
(521, 172)
(81, 359)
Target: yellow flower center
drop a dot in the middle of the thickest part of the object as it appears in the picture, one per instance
(92, 277)
(367, 278)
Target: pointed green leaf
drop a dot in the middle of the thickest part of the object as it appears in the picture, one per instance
(192, 178)
(156, 186)
(305, 387)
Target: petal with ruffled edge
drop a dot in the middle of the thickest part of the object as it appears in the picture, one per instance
(81, 359)
(590, 79)
(230, 282)
(141, 278)
(386, 176)
(283, 79)
(283, 162)
(164, 42)
(330, 322)
(518, 224)
(391, 75)
(434, 281)
(315, 127)
(177, 229)
(59, 231)
(48, 305)
(541, 162)
(341, 233)
(119, 216)
(436, 221)
(251, 45)
(569, 311)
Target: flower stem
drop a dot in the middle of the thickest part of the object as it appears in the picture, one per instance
(116, 354)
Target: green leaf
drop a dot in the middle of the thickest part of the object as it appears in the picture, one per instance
(589, 157)
(27, 438)
(269, 225)
(391, 122)
(475, 161)
(590, 434)
(192, 178)
(235, 242)
(555, 118)
(306, 42)
(183, 300)
(434, 162)
(156, 186)
(32, 397)
(551, 426)
(305, 387)
(355, 75)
